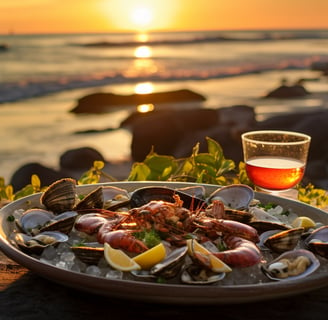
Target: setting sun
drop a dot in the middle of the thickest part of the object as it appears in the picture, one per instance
(49, 16)
(142, 16)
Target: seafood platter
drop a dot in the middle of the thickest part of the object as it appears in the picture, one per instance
(169, 242)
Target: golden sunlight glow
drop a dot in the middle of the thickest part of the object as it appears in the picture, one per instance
(142, 37)
(147, 107)
(50, 16)
(142, 16)
(144, 88)
(143, 52)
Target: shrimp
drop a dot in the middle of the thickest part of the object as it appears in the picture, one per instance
(241, 252)
(121, 239)
(228, 227)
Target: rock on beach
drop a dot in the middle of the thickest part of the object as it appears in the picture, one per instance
(103, 102)
(176, 131)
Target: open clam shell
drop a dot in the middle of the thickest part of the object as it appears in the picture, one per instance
(115, 198)
(171, 265)
(36, 244)
(196, 274)
(63, 222)
(235, 196)
(317, 241)
(278, 269)
(33, 220)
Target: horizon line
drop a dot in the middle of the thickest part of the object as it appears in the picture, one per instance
(13, 33)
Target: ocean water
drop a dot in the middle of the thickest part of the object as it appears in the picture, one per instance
(41, 76)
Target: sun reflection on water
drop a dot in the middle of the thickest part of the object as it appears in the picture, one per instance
(143, 52)
(144, 88)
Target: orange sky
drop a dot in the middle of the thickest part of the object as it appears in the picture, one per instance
(57, 16)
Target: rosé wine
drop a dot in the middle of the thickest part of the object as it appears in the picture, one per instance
(275, 173)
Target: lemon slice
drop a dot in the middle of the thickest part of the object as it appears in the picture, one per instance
(149, 258)
(119, 260)
(217, 265)
(303, 222)
(194, 245)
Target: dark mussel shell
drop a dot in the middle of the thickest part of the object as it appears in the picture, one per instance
(317, 241)
(144, 195)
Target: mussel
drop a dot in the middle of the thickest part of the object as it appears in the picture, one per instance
(291, 265)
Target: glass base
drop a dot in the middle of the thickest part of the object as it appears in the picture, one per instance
(287, 193)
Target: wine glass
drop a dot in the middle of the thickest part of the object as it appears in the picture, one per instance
(275, 160)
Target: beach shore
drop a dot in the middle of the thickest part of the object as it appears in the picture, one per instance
(41, 129)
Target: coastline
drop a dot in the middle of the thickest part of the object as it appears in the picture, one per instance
(48, 121)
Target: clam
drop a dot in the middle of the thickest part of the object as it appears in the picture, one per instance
(235, 196)
(36, 244)
(93, 200)
(34, 221)
(264, 221)
(60, 196)
(317, 241)
(291, 265)
(260, 214)
(171, 265)
(115, 198)
(194, 191)
(282, 241)
(144, 195)
(196, 274)
(63, 222)
(263, 226)
(89, 253)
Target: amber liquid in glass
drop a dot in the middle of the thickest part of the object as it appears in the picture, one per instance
(275, 173)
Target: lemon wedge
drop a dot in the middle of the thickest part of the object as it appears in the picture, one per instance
(217, 265)
(119, 260)
(303, 222)
(149, 258)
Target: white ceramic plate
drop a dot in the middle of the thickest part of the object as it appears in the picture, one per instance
(165, 293)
